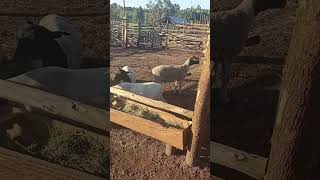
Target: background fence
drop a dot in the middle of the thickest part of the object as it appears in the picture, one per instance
(134, 35)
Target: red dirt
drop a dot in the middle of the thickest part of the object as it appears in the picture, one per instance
(136, 156)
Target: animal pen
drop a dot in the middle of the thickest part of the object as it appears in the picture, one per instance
(137, 35)
(175, 128)
(24, 103)
(181, 128)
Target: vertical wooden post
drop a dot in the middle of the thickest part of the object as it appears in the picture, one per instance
(139, 31)
(201, 111)
(295, 151)
(125, 37)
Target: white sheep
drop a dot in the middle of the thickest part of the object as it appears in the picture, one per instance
(150, 90)
(130, 73)
(70, 44)
(176, 73)
(85, 85)
(230, 31)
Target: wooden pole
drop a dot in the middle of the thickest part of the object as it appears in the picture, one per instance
(201, 111)
(139, 32)
(295, 151)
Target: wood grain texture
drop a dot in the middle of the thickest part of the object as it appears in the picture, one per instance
(14, 165)
(171, 136)
(250, 164)
(58, 106)
(151, 102)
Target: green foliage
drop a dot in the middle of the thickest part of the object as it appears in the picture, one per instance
(156, 10)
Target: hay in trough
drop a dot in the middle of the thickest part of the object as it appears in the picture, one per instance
(149, 115)
(79, 151)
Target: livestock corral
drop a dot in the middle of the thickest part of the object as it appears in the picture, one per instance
(246, 123)
(46, 130)
(135, 155)
(153, 153)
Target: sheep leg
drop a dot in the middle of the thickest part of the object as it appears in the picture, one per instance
(179, 86)
(175, 86)
(226, 71)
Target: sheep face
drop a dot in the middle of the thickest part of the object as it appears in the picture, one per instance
(193, 60)
(262, 5)
(121, 76)
(35, 42)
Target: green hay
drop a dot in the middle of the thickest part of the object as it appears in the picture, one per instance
(79, 151)
(145, 113)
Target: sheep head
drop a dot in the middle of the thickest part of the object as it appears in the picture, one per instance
(192, 60)
(121, 76)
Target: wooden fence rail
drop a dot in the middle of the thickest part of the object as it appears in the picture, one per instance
(126, 34)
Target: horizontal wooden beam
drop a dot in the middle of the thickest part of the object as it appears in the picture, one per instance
(152, 103)
(172, 136)
(14, 165)
(250, 164)
(58, 106)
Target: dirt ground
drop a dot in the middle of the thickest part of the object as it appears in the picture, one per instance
(247, 123)
(93, 31)
(136, 156)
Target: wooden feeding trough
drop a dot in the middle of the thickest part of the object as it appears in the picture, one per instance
(174, 129)
(32, 106)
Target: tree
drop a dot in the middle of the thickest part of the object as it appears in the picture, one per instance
(295, 145)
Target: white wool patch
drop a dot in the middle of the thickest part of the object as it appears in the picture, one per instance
(150, 90)
(70, 44)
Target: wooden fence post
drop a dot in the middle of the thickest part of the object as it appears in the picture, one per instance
(139, 32)
(201, 111)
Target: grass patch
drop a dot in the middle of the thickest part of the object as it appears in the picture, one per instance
(145, 113)
(79, 151)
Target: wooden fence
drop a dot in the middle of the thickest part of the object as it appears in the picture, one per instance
(134, 35)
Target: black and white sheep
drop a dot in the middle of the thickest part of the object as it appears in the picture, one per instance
(130, 73)
(150, 90)
(53, 42)
(230, 30)
(88, 86)
(176, 73)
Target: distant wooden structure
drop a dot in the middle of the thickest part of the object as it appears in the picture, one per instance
(178, 34)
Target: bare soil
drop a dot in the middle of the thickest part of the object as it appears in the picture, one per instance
(136, 156)
(247, 123)
(94, 43)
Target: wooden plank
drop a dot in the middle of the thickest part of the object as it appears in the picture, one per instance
(250, 164)
(152, 102)
(55, 105)
(171, 136)
(14, 165)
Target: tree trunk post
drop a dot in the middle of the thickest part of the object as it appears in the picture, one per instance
(295, 148)
(139, 32)
(201, 111)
